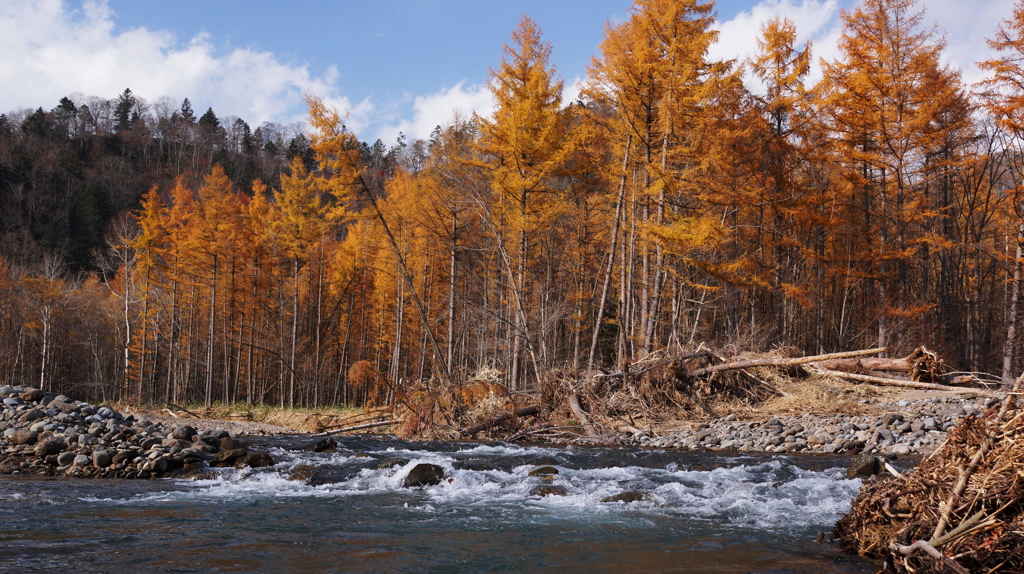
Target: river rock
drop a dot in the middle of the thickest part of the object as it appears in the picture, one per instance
(544, 471)
(548, 490)
(102, 458)
(475, 465)
(31, 415)
(864, 465)
(424, 474)
(228, 457)
(65, 458)
(255, 460)
(900, 449)
(32, 395)
(183, 432)
(229, 443)
(321, 446)
(48, 446)
(628, 496)
(193, 453)
(23, 436)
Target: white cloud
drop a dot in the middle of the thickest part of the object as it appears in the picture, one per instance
(439, 109)
(964, 24)
(816, 20)
(50, 51)
(572, 90)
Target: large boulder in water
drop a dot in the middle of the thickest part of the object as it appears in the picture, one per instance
(321, 446)
(544, 471)
(863, 466)
(424, 474)
(254, 460)
(228, 457)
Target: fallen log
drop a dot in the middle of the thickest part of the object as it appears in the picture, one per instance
(921, 365)
(886, 381)
(360, 427)
(180, 408)
(889, 365)
(531, 411)
(778, 362)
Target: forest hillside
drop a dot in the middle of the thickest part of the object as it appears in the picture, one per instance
(150, 255)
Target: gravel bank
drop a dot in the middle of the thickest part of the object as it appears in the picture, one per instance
(905, 427)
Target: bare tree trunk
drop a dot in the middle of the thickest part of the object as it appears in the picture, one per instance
(212, 333)
(606, 283)
(295, 333)
(449, 353)
(1011, 319)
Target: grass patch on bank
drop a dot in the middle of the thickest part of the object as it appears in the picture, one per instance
(299, 418)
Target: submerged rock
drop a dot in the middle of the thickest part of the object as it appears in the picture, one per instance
(326, 444)
(548, 490)
(544, 471)
(475, 465)
(307, 474)
(255, 460)
(629, 496)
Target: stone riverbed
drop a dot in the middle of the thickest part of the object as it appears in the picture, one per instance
(51, 435)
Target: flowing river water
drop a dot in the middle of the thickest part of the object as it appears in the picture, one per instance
(703, 512)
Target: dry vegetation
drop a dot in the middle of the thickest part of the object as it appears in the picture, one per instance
(657, 393)
(961, 510)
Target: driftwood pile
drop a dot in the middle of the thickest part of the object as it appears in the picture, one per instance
(961, 510)
(691, 383)
(603, 405)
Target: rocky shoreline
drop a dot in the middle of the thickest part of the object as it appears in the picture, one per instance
(50, 435)
(903, 427)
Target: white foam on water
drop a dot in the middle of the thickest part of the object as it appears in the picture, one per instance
(757, 494)
(771, 494)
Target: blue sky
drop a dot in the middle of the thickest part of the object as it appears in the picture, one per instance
(402, 65)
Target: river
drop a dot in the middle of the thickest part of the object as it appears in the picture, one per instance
(703, 512)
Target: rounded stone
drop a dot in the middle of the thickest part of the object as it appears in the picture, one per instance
(424, 474)
(49, 446)
(183, 432)
(102, 458)
(548, 490)
(544, 471)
